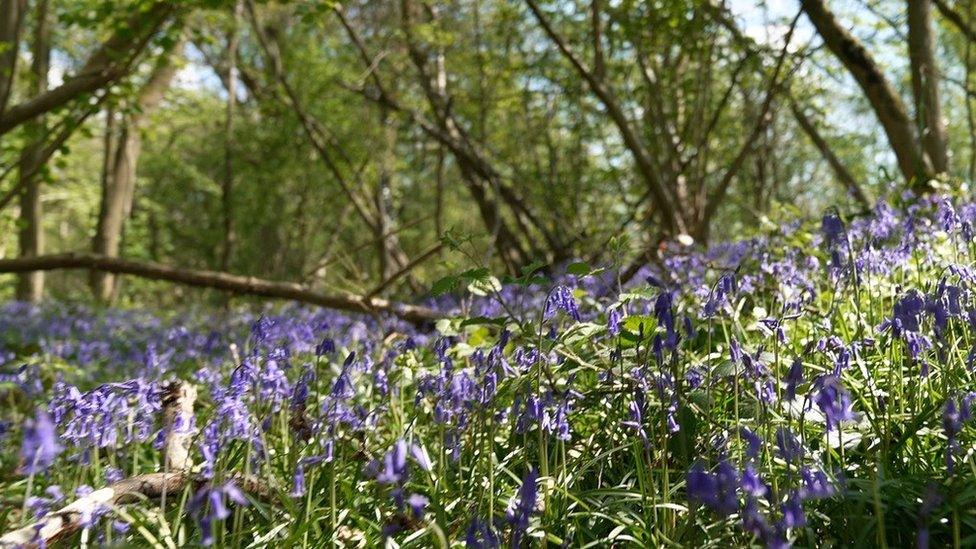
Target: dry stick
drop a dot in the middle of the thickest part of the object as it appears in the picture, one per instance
(219, 281)
(178, 403)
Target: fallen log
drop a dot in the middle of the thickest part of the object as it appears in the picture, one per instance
(60, 524)
(227, 282)
(177, 412)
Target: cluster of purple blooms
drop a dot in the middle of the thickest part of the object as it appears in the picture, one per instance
(583, 362)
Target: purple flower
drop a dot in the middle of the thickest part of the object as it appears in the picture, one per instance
(788, 445)
(417, 504)
(716, 491)
(210, 503)
(40, 445)
(613, 321)
(481, 535)
(954, 416)
(561, 299)
(394, 464)
(523, 506)
(752, 483)
(793, 378)
(793, 516)
(753, 442)
(816, 485)
(834, 401)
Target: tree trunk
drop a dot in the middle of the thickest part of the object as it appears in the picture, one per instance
(383, 199)
(925, 84)
(887, 105)
(30, 286)
(227, 183)
(11, 21)
(843, 175)
(119, 179)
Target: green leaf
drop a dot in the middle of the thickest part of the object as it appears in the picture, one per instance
(444, 285)
(578, 269)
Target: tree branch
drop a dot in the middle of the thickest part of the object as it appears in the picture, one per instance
(110, 62)
(219, 281)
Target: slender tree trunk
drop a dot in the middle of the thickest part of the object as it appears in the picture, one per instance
(884, 100)
(11, 21)
(227, 183)
(384, 193)
(925, 83)
(843, 175)
(30, 286)
(124, 144)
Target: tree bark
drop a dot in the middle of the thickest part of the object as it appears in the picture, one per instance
(227, 282)
(843, 175)
(227, 182)
(30, 285)
(119, 180)
(925, 84)
(887, 105)
(668, 205)
(11, 21)
(383, 198)
(108, 63)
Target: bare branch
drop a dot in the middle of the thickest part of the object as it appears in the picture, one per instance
(219, 281)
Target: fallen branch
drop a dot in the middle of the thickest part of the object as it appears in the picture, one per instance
(60, 524)
(178, 401)
(219, 281)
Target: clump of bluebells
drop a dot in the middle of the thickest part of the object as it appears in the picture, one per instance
(808, 386)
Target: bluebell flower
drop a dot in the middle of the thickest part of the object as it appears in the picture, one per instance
(481, 535)
(792, 510)
(40, 444)
(716, 491)
(614, 318)
(523, 506)
(834, 401)
(561, 299)
(417, 504)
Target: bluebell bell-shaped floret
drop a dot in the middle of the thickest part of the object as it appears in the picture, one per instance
(816, 485)
(298, 481)
(948, 218)
(560, 299)
(325, 347)
(753, 442)
(523, 506)
(614, 318)
(792, 510)
(788, 446)
(636, 414)
(754, 522)
(299, 394)
(417, 503)
(832, 229)
(954, 416)
(735, 351)
(834, 401)
(481, 535)
(752, 483)
(794, 377)
(718, 490)
(209, 504)
(695, 376)
(40, 445)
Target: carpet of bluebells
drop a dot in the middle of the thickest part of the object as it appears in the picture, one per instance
(810, 386)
